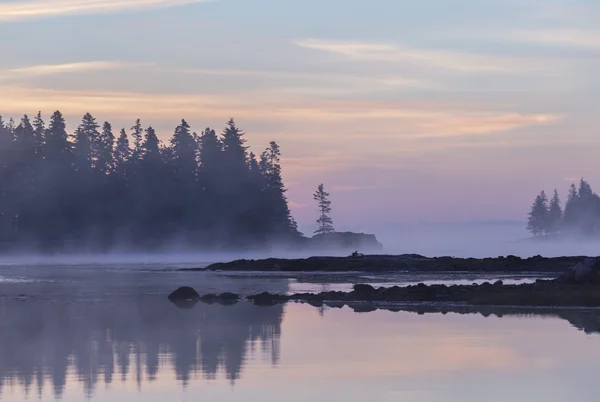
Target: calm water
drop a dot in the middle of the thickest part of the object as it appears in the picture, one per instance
(107, 333)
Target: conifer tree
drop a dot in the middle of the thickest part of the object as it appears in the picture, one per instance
(40, 132)
(104, 148)
(555, 214)
(537, 223)
(324, 222)
(234, 150)
(275, 190)
(122, 154)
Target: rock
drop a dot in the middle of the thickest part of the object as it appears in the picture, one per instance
(498, 283)
(184, 293)
(362, 289)
(228, 299)
(345, 241)
(265, 299)
(209, 298)
(583, 272)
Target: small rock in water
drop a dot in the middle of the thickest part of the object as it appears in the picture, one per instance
(184, 293)
(364, 289)
(228, 299)
(265, 299)
(498, 283)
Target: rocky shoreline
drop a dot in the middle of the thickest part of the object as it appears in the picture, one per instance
(577, 286)
(396, 263)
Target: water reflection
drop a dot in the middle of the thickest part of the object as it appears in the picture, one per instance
(132, 339)
(145, 341)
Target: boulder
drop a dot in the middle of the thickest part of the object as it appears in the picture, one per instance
(184, 293)
(228, 299)
(583, 272)
(361, 288)
(265, 299)
(209, 298)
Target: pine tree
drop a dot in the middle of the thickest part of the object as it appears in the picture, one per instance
(538, 216)
(210, 152)
(325, 223)
(234, 150)
(571, 206)
(40, 132)
(555, 214)
(270, 166)
(122, 154)
(138, 139)
(184, 148)
(104, 148)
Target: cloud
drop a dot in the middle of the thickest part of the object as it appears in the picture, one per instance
(573, 38)
(49, 69)
(22, 10)
(441, 59)
(311, 118)
(319, 78)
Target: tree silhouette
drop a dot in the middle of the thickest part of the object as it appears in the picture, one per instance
(581, 215)
(555, 214)
(538, 216)
(324, 222)
(88, 190)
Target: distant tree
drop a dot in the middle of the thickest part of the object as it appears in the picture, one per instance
(121, 155)
(538, 216)
(555, 214)
(234, 150)
(39, 132)
(279, 212)
(324, 222)
(137, 132)
(105, 149)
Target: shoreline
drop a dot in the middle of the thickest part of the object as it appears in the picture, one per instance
(395, 263)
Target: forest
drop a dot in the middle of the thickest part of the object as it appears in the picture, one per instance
(96, 189)
(580, 216)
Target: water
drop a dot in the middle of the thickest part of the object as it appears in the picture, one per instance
(107, 333)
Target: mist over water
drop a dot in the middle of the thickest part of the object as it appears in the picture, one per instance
(475, 239)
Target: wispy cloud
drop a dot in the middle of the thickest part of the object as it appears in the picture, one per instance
(49, 69)
(20, 10)
(441, 59)
(574, 38)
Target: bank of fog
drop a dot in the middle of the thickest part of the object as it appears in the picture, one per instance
(477, 240)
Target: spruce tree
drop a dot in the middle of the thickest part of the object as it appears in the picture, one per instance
(537, 222)
(104, 148)
(281, 218)
(324, 222)
(234, 150)
(40, 132)
(555, 214)
(122, 154)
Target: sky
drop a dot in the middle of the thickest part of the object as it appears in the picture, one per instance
(406, 110)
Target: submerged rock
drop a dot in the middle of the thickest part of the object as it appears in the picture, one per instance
(266, 299)
(184, 293)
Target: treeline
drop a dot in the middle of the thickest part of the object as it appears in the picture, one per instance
(580, 216)
(95, 189)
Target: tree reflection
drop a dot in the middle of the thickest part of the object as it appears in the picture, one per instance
(129, 340)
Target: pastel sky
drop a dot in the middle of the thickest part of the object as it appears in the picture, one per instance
(407, 110)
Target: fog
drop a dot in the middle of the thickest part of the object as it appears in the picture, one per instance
(465, 240)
